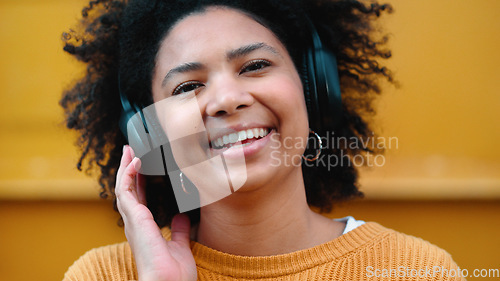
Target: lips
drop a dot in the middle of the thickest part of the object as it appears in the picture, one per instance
(244, 136)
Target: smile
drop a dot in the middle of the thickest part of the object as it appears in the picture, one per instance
(243, 136)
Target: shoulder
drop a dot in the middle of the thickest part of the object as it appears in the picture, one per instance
(112, 262)
(397, 254)
(411, 247)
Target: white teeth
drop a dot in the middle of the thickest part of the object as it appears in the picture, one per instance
(233, 137)
(256, 133)
(240, 136)
(249, 133)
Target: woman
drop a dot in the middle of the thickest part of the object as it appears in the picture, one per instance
(210, 70)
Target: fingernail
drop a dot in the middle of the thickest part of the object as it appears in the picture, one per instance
(124, 147)
(137, 164)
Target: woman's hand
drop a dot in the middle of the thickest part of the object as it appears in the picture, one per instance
(156, 258)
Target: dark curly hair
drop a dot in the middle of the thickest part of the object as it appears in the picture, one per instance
(121, 39)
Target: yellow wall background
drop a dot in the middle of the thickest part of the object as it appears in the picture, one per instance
(441, 183)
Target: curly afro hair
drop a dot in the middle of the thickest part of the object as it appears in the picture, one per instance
(121, 39)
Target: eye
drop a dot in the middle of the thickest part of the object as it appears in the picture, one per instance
(254, 65)
(187, 87)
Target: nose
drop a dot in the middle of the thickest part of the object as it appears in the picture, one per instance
(227, 96)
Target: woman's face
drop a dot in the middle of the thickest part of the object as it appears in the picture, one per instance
(220, 73)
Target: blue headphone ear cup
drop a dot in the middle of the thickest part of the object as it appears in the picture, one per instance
(136, 134)
(328, 89)
(133, 125)
(125, 116)
(321, 85)
(310, 90)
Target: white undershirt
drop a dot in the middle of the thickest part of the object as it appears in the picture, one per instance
(350, 223)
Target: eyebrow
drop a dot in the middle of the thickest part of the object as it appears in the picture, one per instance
(183, 68)
(245, 50)
(230, 55)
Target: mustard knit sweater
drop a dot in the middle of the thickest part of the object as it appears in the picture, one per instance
(369, 252)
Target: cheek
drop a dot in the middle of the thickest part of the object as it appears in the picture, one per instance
(179, 117)
(287, 100)
(181, 121)
(297, 122)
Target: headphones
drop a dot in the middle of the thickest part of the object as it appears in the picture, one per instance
(321, 89)
(321, 84)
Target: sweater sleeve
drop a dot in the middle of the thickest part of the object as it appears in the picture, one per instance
(109, 263)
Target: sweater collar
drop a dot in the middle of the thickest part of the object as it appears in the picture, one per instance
(278, 265)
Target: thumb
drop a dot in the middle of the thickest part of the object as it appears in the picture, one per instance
(181, 229)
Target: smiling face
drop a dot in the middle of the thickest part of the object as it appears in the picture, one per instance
(222, 71)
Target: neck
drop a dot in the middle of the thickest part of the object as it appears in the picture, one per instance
(269, 220)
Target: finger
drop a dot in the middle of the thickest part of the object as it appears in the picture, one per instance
(124, 162)
(126, 192)
(181, 229)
